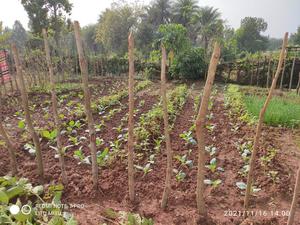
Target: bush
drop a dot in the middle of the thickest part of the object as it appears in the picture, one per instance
(189, 64)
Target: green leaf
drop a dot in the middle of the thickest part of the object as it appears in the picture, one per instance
(71, 221)
(3, 197)
(56, 220)
(14, 191)
(241, 185)
(38, 190)
(21, 124)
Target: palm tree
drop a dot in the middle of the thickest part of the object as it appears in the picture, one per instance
(208, 24)
(184, 10)
(160, 12)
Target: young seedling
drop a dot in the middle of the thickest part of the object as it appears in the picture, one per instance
(243, 186)
(49, 135)
(212, 165)
(184, 161)
(188, 137)
(146, 169)
(157, 144)
(102, 156)
(213, 183)
(180, 175)
(211, 150)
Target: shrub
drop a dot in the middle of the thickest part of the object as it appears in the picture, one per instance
(189, 64)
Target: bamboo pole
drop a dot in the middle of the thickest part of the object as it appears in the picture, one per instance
(260, 122)
(169, 152)
(292, 74)
(283, 72)
(24, 97)
(298, 85)
(269, 71)
(11, 150)
(295, 198)
(130, 117)
(257, 72)
(264, 67)
(200, 128)
(55, 110)
(87, 103)
(252, 74)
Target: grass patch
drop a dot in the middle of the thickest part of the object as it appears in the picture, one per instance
(283, 110)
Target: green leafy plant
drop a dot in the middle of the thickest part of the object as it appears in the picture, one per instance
(49, 135)
(188, 137)
(184, 161)
(213, 183)
(180, 175)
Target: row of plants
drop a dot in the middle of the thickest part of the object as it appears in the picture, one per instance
(234, 100)
(148, 130)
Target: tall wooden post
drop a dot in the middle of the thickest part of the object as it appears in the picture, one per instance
(264, 67)
(169, 152)
(295, 198)
(257, 72)
(130, 117)
(28, 120)
(283, 72)
(200, 128)
(298, 85)
(252, 74)
(269, 71)
(11, 149)
(87, 103)
(260, 122)
(55, 110)
(292, 74)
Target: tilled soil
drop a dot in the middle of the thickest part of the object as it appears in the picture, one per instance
(224, 203)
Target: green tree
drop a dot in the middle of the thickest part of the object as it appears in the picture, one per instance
(274, 44)
(114, 25)
(249, 36)
(173, 37)
(160, 12)
(209, 25)
(47, 14)
(152, 16)
(295, 38)
(229, 42)
(89, 38)
(19, 35)
(37, 13)
(5, 34)
(184, 11)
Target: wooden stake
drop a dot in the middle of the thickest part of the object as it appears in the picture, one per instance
(252, 74)
(283, 72)
(24, 97)
(169, 152)
(87, 103)
(11, 150)
(269, 71)
(257, 72)
(130, 117)
(295, 198)
(292, 74)
(298, 85)
(200, 128)
(260, 122)
(55, 110)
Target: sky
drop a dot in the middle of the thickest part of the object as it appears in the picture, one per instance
(281, 15)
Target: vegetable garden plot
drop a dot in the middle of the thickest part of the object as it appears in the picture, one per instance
(222, 173)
